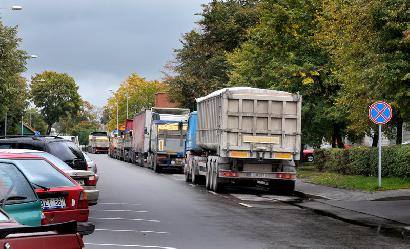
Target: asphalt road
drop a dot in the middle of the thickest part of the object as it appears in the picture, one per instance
(141, 209)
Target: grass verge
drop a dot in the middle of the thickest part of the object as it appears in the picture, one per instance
(356, 182)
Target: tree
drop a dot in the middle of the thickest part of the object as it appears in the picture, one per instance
(141, 94)
(200, 66)
(34, 119)
(368, 41)
(56, 94)
(281, 53)
(13, 88)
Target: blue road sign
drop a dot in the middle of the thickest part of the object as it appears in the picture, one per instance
(380, 112)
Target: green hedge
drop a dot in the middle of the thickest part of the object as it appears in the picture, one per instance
(363, 161)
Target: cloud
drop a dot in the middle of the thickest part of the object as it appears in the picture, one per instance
(101, 42)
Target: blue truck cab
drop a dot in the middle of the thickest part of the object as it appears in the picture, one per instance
(190, 144)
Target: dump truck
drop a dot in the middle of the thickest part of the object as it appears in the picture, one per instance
(244, 136)
(151, 142)
(98, 142)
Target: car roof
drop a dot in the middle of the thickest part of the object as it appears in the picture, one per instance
(18, 156)
(20, 151)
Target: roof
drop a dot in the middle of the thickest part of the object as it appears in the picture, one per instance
(250, 90)
(17, 156)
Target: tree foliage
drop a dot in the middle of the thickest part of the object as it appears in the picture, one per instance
(13, 88)
(200, 66)
(368, 41)
(56, 95)
(141, 94)
(281, 53)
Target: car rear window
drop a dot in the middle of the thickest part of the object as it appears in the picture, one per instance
(54, 160)
(14, 185)
(41, 172)
(66, 151)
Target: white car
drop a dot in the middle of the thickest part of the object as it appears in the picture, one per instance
(87, 179)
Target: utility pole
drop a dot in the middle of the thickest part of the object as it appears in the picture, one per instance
(5, 124)
(22, 126)
(127, 97)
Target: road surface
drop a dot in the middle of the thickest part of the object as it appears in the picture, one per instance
(141, 209)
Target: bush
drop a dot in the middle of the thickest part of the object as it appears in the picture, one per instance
(363, 161)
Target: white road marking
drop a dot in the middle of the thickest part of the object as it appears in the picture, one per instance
(119, 203)
(119, 245)
(121, 210)
(245, 205)
(127, 230)
(248, 197)
(119, 218)
(212, 192)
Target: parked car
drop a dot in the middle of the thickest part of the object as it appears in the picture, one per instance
(308, 155)
(62, 199)
(17, 195)
(16, 236)
(91, 165)
(87, 179)
(64, 149)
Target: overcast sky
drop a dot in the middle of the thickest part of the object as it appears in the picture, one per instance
(101, 42)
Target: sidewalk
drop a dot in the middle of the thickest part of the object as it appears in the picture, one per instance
(389, 210)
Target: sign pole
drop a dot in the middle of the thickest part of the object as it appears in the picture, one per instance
(380, 156)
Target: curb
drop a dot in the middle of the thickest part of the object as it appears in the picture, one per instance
(382, 226)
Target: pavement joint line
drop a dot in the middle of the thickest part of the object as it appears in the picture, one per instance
(122, 245)
(212, 192)
(119, 218)
(245, 205)
(127, 230)
(121, 210)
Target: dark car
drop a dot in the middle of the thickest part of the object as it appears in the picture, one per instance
(64, 149)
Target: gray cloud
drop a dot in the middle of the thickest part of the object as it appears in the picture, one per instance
(101, 42)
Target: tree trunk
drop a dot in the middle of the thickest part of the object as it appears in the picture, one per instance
(399, 127)
(375, 137)
(49, 129)
(337, 140)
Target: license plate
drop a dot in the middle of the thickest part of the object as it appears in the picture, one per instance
(80, 181)
(258, 175)
(53, 203)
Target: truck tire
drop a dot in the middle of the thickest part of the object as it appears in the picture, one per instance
(194, 177)
(208, 177)
(188, 176)
(155, 166)
(217, 186)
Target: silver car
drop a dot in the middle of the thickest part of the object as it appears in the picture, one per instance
(87, 179)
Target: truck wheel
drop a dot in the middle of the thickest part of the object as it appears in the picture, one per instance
(157, 168)
(188, 176)
(217, 186)
(208, 177)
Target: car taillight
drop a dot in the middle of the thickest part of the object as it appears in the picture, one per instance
(92, 181)
(82, 200)
(286, 176)
(43, 219)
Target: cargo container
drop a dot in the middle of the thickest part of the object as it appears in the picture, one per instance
(98, 142)
(142, 148)
(245, 136)
(141, 137)
(167, 144)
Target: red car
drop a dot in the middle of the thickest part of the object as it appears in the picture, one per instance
(16, 236)
(62, 198)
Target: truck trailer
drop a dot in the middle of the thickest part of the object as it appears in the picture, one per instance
(150, 139)
(244, 136)
(98, 142)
